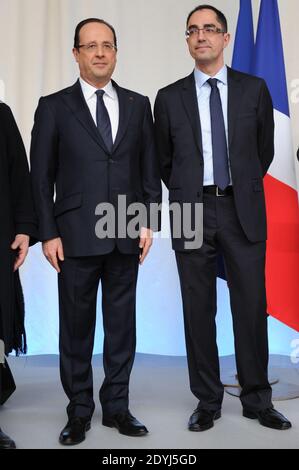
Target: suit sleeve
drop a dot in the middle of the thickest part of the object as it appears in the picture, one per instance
(163, 140)
(44, 161)
(23, 212)
(151, 182)
(265, 128)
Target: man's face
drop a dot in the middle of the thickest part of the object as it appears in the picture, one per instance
(96, 59)
(207, 47)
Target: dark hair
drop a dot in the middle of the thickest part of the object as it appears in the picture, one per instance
(91, 20)
(220, 16)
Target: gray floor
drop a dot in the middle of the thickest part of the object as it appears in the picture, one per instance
(160, 398)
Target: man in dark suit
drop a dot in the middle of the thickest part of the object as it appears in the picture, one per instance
(18, 224)
(215, 132)
(95, 142)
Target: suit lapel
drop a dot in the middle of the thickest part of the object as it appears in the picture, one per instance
(235, 94)
(75, 100)
(189, 96)
(126, 101)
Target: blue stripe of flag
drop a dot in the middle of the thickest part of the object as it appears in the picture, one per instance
(268, 60)
(244, 40)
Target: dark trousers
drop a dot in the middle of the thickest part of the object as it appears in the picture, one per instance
(245, 269)
(78, 285)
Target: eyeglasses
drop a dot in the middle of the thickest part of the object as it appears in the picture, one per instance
(92, 47)
(207, 30)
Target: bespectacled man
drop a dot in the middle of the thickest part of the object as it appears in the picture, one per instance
(215, 138)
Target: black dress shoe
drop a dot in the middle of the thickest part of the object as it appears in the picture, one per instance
(269, 418)
(6, 442)
(201, 420)
(74, 431)
(125, 423)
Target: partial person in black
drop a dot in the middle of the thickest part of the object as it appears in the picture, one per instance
(18, 230)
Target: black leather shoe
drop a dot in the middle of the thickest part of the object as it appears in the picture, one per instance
(269, 418)
(125, 423)
(6, 442)
(74, 431)
(201, 420)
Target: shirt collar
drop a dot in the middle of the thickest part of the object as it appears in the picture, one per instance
(89, 90)
(201, 78)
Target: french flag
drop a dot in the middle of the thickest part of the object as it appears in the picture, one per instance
(266, 59)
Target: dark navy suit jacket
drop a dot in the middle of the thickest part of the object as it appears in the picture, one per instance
(251, 146)
(67, 151)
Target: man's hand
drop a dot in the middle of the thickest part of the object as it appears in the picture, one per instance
(21, 243)
(53, 251)
(146, 241)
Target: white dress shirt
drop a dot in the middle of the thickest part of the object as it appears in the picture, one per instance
(203, 91)
(110, 99)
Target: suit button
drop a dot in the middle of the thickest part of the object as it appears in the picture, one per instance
(111, 160)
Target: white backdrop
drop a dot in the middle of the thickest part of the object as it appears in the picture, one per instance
(36, 38)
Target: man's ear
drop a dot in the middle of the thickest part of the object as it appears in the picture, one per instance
(227, 37)
(75, 54)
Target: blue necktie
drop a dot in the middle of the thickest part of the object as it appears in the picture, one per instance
(219, 144)
(103, 120)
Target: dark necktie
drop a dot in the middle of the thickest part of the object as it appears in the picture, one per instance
(103, 120)
(219, 144)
